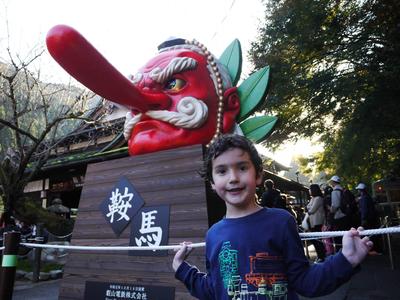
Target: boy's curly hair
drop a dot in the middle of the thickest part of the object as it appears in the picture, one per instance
(224, 143)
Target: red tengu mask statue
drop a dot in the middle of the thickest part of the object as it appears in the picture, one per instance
(183, 96)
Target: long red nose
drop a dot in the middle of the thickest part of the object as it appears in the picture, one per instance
(83, 62)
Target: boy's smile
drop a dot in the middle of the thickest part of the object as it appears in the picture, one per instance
(235, 180)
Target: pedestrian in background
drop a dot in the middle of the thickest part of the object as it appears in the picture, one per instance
(369, 215)
(340, 221)
(327, 206)
(328, 242)
(316, 211)
(272, 196)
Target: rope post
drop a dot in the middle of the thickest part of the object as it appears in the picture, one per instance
(306, 246)
(384, 222)
(9, 264)
(37, 255)
(390, 249)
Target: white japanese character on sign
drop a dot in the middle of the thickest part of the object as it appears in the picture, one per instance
(150, 235)
(119, 204)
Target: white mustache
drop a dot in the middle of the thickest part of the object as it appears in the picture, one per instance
(191, 113)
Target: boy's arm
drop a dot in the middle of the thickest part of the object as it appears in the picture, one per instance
(198, 284)
(318, 279)
(181, 254)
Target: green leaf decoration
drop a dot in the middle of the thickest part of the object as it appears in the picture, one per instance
(258, 128)
(231, 58)
(252, 91)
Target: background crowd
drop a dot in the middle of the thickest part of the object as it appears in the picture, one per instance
(331, 207)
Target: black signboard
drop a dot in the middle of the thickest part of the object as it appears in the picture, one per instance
(122, 203)
(150, 227)
(122, 291)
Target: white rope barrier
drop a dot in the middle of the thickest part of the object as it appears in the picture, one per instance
(112, 248)
(367, 232)
(303, 235)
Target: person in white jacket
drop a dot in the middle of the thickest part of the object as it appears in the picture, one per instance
(316, 211)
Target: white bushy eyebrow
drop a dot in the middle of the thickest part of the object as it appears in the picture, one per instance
(175, 66)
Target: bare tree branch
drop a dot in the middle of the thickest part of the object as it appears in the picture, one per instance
(21, 131)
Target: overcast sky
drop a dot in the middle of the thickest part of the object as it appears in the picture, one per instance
(127, 32)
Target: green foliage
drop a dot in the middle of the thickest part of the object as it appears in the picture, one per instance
(258, 128)
(251, 94)
(26, 265)
(335, 67)
(231, 58)
(305, 165)
(252, 91)
(31, 212)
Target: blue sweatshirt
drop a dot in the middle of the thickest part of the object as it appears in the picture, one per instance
(261, 256)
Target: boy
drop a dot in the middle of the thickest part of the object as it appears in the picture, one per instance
(257, 251)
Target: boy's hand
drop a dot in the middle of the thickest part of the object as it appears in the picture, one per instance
(181, 254)
(354, 248)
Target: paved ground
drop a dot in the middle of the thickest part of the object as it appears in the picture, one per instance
(46, 290)
(375, 281)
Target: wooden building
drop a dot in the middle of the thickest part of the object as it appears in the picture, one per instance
(63, 175)
(85, 168)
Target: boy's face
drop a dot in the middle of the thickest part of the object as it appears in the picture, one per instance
(235, 179)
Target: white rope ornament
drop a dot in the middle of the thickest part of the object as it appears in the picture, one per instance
(303, 235)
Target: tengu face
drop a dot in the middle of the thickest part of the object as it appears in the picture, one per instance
(174, 101)
(182, 103)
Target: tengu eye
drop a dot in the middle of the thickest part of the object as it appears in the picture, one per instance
(175, 85)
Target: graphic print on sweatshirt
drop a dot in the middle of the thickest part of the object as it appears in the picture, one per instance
(263, 277)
